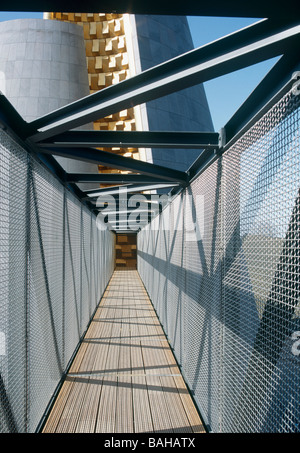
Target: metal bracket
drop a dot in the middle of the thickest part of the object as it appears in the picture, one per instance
(222, 139)
(296, 84)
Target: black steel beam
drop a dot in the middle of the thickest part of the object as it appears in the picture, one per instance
(112, 178)
(273, 86)
(253, 44)
(117, 204)
(13, 123)
(54, 167)
(128, 188)
(124, 204)
(134, 139)
(254, 8)
(117, 161)
(145, 196)
(272, 83)
(100, 209)
(206, 158)
(125, 211)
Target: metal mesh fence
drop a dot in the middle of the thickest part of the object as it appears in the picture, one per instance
(54, 266)
(224, 278)
(13, 294)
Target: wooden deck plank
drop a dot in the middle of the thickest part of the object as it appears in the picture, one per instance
(106, 417)
(189, 406)
(160, 415)
(124, 378)
(65, 392)
(57, 409)
(142, 417)
(177, 414)
(72, 409)
(124, 409)
(88, 417)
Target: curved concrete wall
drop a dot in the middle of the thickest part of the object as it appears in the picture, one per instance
(161, 38)
(42, 68)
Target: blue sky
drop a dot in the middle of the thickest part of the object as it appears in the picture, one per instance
(225, 94)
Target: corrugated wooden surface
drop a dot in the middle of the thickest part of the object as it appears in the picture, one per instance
(124, 378)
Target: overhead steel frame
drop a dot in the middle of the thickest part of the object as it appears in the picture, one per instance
(52, 134)
(255, 8)
(133, 139)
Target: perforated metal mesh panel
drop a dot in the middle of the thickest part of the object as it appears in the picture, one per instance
(231, 308)
(72, 274)
(45, 361)
(176, 275)
(55, 264)
(261, 275)
(202, 296)
(13, 294)
(87, 285)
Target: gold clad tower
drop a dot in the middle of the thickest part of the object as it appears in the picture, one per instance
(107, 62)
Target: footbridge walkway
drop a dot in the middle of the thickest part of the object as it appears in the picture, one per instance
(124, 378)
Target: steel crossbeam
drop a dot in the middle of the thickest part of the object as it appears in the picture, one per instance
(134, 139)
(116, 161)
(255, 8)
(253, 44)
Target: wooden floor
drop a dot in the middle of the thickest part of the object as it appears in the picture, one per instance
(124, 378)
